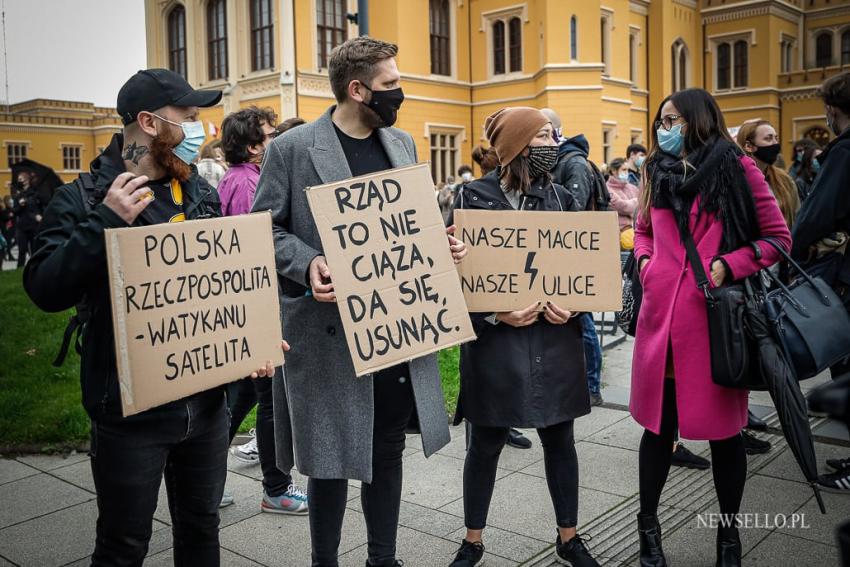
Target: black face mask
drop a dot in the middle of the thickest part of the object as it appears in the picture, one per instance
(767, 154)
(385, 104)
(541, 159)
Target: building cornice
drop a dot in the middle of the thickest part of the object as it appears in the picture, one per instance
(752, 9)
(828, 12)
(639, 7)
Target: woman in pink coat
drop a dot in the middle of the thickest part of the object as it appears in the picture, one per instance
(697, 180)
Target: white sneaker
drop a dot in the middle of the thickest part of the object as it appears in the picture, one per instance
(248, 452)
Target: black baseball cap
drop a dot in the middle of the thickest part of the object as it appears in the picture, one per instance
(151, 89)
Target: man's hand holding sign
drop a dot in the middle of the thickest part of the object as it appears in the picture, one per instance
(387, 265)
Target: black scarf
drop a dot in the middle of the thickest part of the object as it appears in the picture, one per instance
(715, 174)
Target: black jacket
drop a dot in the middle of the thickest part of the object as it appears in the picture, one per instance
(521, 377)
(571, 171)
(70, 264)
(27, 206)
(827, 207)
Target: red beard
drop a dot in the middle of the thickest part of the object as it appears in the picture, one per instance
(161, 150)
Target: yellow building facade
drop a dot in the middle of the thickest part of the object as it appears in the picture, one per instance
(604, 65)
(63, 135)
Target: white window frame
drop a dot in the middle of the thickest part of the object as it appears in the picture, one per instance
(634, 43)
(573, 40)
(21, 143)
(713, 43)
(680, 45)
(452, 42)
(70, 145)
(609, 133)
(458, 134)
(505, 15)
(787, 43)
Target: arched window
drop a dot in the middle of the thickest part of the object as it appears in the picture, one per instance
(724, 66)
(845, 47)
(605, 39)
(499, 47)
(742, 65)
(217, 39)
(440, 38)
(680, 60)
(823, 49)
(262, 35)
(515, 44)
(177, 40)
(574, 39)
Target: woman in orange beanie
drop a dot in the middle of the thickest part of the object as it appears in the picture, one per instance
(526, 369)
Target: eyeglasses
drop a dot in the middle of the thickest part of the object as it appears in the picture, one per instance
(667, 122)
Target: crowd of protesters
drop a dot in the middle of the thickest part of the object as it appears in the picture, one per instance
(537, 367)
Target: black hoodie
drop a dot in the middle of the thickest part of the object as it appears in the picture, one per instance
(70, 264)
(571, 171)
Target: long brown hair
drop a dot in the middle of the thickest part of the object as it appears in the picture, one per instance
(783, 187)
(705, 122)
(517, 175)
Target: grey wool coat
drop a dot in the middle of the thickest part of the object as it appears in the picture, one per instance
(327, 430)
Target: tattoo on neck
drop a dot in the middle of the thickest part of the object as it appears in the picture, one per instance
(134, 152)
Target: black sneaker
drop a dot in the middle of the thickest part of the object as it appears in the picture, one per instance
(755, 423)
(596, 399)
(838, 464)
(518, 441)
(684, 458)
(837, 482)
(574, 552)
(470, 554)
(754, 445)
(395, 563)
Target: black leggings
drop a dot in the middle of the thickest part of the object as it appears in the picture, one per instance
(728, 461)
(482, 458)
(380, 499)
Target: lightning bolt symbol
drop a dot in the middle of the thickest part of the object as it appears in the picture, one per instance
(529, 269)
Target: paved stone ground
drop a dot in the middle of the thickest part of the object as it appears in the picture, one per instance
(48, 505)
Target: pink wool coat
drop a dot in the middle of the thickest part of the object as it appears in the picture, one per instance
(673, 314)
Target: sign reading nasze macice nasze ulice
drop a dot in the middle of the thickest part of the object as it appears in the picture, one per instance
(194, 305)
(397, 290)
(519, 257)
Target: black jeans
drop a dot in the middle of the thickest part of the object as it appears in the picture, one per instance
(482, 459)
(380, 499)
(728, 461)
(186, 442)
(241, 397)
(25, 239)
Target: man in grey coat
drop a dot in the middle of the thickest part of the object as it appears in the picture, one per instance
(339, 426)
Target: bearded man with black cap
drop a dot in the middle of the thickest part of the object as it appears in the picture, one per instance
(143, 177)
(343, 427)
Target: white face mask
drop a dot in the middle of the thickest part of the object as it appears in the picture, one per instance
(467, 177)
(623, 176)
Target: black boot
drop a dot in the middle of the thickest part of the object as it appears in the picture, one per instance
(728, 547)
(649, 532)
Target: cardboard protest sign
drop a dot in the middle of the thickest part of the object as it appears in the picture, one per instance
(519, 257)
(392, 271)
(194, 305)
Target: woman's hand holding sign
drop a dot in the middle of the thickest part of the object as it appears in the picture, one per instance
(555, 314)
(457, 247)
(521, 318)
(320, 280)
(268, 369)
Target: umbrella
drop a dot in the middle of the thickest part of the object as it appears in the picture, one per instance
(785, 391)
(46, 181)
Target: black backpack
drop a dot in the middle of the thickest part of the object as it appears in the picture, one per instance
(82, 310)
(599, 196)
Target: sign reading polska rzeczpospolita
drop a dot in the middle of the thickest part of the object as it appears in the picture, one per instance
(194, 305)
(397, 290)
(517, 258)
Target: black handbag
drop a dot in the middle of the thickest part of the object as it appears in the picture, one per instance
(733, 360)
(809, 319)
(632, 294)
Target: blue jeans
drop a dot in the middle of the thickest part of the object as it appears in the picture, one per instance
(592, 353)
(185, 442)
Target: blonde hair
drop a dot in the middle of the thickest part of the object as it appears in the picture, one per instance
(780, 183)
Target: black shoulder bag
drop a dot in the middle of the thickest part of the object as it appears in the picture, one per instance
(733, 361)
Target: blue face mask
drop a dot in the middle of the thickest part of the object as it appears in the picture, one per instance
(639, 161)
(193, 138)
(815, 165)
(671, 140)
(623, 176)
